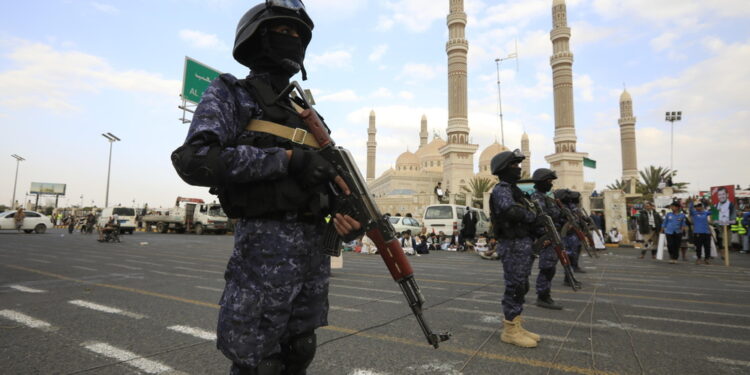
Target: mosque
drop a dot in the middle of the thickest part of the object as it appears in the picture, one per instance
(409, 186)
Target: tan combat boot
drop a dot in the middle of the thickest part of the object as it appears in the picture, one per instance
(512, 334)
(533, 336)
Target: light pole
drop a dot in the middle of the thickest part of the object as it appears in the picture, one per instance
(499, 95)
(112, 139)
(672, 117)
(15, 182)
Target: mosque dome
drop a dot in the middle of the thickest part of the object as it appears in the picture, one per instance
(429, 155)
(625, 96)
(486, 156)
(407, 161)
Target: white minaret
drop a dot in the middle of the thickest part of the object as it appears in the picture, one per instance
(458, 153)
(627, 143)
(423, 132)
(371, 146)
(565, 161)
(526, 163)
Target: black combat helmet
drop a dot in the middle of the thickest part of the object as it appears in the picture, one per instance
(278, 10)
(504, 160)
(543, 174)
(562, 194)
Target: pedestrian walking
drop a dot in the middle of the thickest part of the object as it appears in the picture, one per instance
(514, 225)
(673, 226)
(244, 142)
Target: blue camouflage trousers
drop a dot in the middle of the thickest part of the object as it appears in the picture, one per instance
(547, 267)
(573, 248)
(276, 287)
(517, 258)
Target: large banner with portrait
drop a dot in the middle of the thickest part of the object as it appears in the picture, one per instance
(722, 200)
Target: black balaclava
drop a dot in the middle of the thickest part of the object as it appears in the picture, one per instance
(510, 175)
(279, 55)
(543, 186)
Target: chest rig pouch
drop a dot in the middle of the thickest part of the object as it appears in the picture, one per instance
(503, 224)
(268, 199)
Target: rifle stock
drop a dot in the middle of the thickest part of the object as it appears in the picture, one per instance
(360, 206)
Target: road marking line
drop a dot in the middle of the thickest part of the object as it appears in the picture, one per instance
(124, 266)
(86, 268)
(727, 361)
(38, 260)
(195, 332)
(211, 289)
(347, 309)
(25, 320)
(467, 352)
(606, 324)
(490, 329)
(142, 262)
(43, 255)
(367, 289)
(365, 298)
(26, 289)
(688, 311)
(180, 262)
(657, 291)
(175, 274)
(197, 270)
(146, 365)
(106, 309)
(687, 321)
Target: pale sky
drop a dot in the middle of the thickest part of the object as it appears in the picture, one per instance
(71, 70)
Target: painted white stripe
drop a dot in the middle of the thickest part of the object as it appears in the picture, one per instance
(606, 324)
(146, 365)
(195, 332)
(364, 298)
(727, 361)
(124, 266)
(25, 319)
(211, 289)
(689, 311)
(142, 262)
(197, 270)
(86, 268)
(346, 309)
(175, 274)
(362, 371)
(83, 260)
(26, 289)
(38, 260)
(657, 290)
(490, 329)
(368, 289)
(106, 309)
(181, 262)
(43, 255)
(687, 321)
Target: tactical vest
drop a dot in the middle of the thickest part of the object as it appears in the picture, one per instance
(503, 228)
(738, 227)
(268, 199)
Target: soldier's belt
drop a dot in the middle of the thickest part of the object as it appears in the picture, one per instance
(296, 135)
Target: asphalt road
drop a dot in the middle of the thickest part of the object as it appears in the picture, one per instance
(71, 305)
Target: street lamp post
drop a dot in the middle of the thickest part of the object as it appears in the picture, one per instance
(672, 117)
(499, 95)
(112, 139)
(15, 181)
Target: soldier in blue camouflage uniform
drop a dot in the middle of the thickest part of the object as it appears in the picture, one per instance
(276, 291)
(515, 226)
(543, 178)
(570, 199)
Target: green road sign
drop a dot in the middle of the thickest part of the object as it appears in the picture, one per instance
(591, 163)
(197, 78)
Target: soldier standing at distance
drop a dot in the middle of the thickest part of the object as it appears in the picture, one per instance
(543, 178)
(570, 200)
(268, 174)
(513, 222)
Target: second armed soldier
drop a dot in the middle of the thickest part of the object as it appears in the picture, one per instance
(543, 178)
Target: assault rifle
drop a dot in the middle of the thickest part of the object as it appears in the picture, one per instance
(552, 236)
(587, 242)
(360, 206)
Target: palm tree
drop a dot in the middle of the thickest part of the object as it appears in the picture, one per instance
(651, 176)
(617, 185)
(477, 187)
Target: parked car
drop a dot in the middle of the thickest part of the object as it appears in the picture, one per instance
(32, 222)
(403, 223)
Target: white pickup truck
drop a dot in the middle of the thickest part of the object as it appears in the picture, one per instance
(188, 215)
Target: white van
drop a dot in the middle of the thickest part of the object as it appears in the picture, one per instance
(447, 218)
(125, 215)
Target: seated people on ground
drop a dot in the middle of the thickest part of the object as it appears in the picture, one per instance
(408, 243)
(491, 253)
(615, 236)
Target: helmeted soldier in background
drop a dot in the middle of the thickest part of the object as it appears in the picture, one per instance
(571, 199)
(543, 178)
(515, 225)
(249, 145)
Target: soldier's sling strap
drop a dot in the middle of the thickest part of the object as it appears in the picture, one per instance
(296, 135)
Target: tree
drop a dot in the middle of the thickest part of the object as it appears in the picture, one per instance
(617, 185)
(651, 176)
(477, 187)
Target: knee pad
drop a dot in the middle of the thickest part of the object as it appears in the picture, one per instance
(520, 291)
(299, 353)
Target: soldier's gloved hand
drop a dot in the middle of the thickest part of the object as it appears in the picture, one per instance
(309, 168)
(540, 221)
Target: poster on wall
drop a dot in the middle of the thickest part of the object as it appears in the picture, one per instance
(722, 199)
